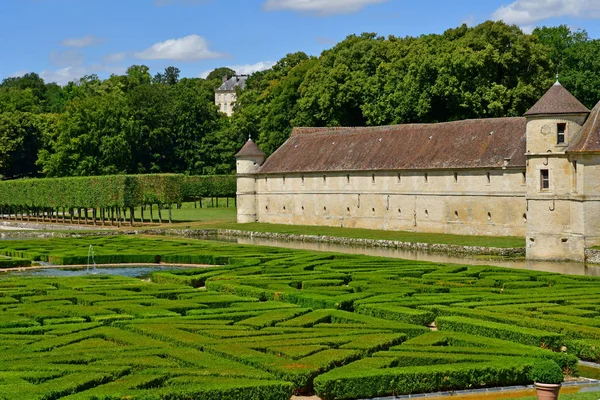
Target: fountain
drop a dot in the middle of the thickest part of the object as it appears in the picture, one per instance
(91, 257)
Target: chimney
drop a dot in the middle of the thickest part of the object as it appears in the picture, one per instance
(225, 78)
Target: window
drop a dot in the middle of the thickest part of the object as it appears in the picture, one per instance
(284, 180)
(489, 177)
(302, 178)
(426, 178)
(373, 178)
(399, 178)
(455, 177)
(575, 176)
(324, 178)
(524, 178)
(544, 179)
(347, 178)
(560, 136)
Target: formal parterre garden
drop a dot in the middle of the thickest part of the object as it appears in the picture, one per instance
(266, 323)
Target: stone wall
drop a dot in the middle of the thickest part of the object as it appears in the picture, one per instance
(469, 202)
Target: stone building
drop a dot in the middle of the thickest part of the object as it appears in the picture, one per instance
(536, 176)
(225, 95)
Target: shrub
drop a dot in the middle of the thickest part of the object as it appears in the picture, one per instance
(546, 371)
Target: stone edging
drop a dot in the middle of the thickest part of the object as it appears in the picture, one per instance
(426, 247)
(592, 256)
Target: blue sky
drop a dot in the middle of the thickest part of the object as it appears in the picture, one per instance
(63, 40)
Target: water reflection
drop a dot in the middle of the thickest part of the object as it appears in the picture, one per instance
(569, 268)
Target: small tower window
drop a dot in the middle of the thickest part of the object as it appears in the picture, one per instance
(347, 178)
(544, 179)
(284, 180)
(426, 178)
(489, 177)
(399, 178)
(455, 177)
(324, 178)
(560, 136)
(524, 178)
(373, 178)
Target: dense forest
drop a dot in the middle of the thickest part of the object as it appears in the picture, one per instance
(138, 123)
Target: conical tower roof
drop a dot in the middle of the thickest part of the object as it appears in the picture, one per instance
(557, 100)
(588, 138)
(250, 149)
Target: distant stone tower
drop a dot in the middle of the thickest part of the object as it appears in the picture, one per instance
(554, 220)
(248, 162)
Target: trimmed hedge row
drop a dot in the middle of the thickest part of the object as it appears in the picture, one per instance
(528, 336)
(353, 382)
(14, 263)
(122, 191)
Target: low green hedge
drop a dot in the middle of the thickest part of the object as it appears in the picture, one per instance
(588, 350)
(397, 313)
(351, 383)
(14, 263)
(528, 336)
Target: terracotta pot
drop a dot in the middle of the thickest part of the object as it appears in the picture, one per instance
(547, 391)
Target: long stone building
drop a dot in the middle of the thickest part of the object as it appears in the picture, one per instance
(536, 176)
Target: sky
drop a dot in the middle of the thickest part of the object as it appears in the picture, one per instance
(63, 40)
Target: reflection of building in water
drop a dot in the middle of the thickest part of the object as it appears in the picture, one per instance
(225, 95)
(536, 176)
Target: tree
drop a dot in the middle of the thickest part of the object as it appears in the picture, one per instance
(21, 137)
(170, 76)
(559, 39)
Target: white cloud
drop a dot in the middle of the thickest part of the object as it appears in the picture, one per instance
(66, 58)
(247, 69)
(114, 57)
(85, 41)
(528, 12)
(62, 76)
(320, 7)
(189, 48)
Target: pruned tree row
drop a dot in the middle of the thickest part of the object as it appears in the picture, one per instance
(105, 199)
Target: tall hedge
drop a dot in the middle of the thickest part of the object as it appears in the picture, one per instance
(93, 192)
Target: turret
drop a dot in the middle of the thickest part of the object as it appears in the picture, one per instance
(552, 227)
(248, 162)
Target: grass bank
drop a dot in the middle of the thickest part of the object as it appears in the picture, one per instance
(224, 218)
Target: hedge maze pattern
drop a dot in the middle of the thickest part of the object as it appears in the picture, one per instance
(272, 322)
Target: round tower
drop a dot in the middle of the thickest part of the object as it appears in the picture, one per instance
(248, 162)
(554, 224)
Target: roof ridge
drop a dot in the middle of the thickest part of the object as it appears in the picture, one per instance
(307, 130)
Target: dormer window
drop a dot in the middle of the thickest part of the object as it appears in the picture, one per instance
(560, 135)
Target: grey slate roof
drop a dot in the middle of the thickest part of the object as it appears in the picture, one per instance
(250, 149)
(233, 83)
(480, 143)
(557, 100)
(588, 138)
